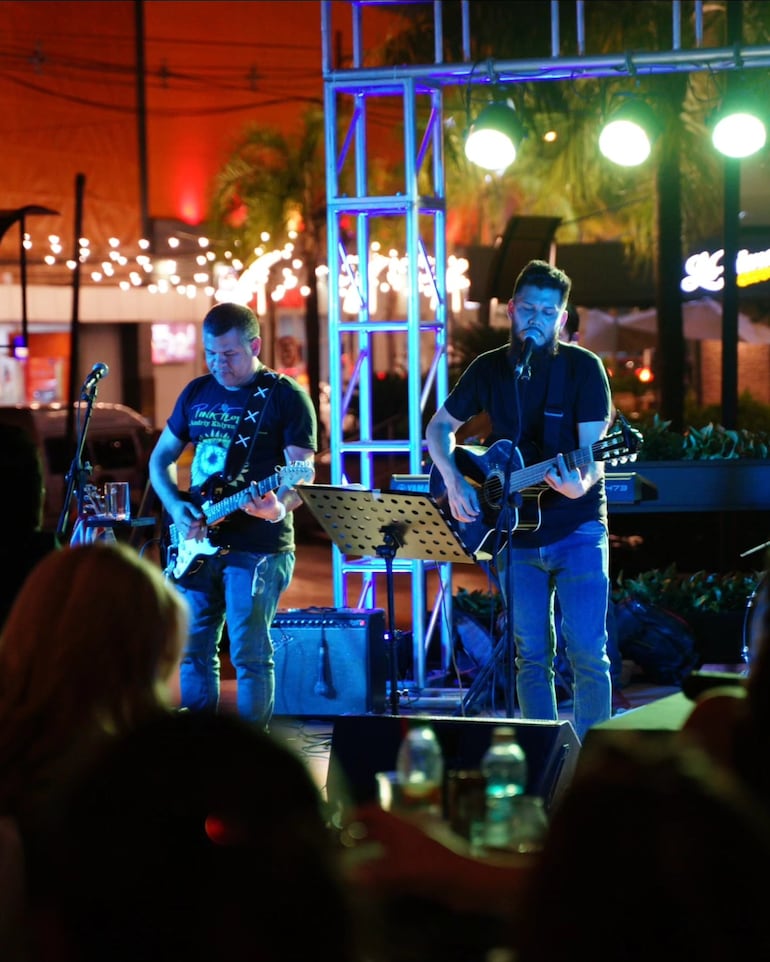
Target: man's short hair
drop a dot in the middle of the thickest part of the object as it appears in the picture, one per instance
(230, 316)
(546, 276)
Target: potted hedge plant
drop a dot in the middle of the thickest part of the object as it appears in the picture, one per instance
(707, 468)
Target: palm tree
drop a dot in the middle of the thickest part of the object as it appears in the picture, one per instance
(275, 185)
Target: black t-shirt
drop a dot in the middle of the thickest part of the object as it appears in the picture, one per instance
(516, 408)
(207, 415)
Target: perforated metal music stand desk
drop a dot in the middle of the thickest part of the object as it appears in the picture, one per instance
(386, 524)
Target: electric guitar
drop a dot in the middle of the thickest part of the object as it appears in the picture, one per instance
(486, 469)
(182, 553)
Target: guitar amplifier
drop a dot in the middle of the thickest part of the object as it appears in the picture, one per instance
(410, 482)
(329, 661)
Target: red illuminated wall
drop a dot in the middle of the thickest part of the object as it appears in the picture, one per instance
(69, 103)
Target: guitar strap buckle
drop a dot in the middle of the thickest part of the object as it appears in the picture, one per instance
(247, 430)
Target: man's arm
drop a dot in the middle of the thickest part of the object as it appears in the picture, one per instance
(162, 466)
(274, 505)
(574, 483)
(588, 434)
(441, 437)
(287, 494)
(188, 518)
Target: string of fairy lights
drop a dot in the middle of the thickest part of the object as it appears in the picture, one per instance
(189, 267)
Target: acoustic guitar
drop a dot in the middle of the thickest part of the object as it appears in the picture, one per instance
(487, 468)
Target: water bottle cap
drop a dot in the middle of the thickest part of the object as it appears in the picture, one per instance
(504, 733)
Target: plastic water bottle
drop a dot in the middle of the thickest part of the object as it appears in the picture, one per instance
(420, 768)
(504, 767)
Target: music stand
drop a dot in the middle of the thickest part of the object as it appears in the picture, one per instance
(388, 524)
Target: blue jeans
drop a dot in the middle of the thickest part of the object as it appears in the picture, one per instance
(244, 589)
(576, 570)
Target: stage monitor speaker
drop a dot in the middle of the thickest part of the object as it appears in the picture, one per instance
(660, 719)
(329, 661)
(364, 745)
(666, 714)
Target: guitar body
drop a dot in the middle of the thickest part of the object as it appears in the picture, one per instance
(184, 553)
(487, 470)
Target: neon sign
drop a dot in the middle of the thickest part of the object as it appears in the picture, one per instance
(705, 270)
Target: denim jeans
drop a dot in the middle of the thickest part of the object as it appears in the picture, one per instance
(244, 589)
(576, 570)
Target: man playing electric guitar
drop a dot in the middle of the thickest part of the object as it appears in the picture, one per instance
(246, 424)
(549, 397)
(183, 553)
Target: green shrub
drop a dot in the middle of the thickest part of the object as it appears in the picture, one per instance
(711, 442)
(482, 605)
(684, 594)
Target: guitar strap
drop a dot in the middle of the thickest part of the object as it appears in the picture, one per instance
(247, 431)
(554, 405)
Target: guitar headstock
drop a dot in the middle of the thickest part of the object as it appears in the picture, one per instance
(632, 437)
(296, 472)
(621, 445)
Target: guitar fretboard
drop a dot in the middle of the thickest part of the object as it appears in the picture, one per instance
(535, 473)
(215, 512)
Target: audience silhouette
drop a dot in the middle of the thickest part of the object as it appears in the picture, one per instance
(22, 493)
(649, 855)
(89, 650)
(131, 830)
(196, 836)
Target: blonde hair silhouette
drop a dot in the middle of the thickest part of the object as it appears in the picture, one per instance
(89, 649)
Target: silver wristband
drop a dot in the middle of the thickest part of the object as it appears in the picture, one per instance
(281, 516)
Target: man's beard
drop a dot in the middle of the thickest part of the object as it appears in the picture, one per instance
(516, 347)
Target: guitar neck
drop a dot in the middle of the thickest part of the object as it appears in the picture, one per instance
(215, 512)
(535, 473)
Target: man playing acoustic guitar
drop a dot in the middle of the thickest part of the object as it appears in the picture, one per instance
(529, 501)
(232, 549)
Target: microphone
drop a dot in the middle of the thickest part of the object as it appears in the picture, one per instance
(98, 371)
(321, 686)
(522, 368)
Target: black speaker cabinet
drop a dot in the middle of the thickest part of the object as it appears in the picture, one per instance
(364, 745)
(329, 661)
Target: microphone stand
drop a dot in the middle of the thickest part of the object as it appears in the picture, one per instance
(78, 473)
(523, 372)
(505, 646)
(505, 516)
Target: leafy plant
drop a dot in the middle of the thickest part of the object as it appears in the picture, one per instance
(684, 594)
(484, 606)
(709, 443)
